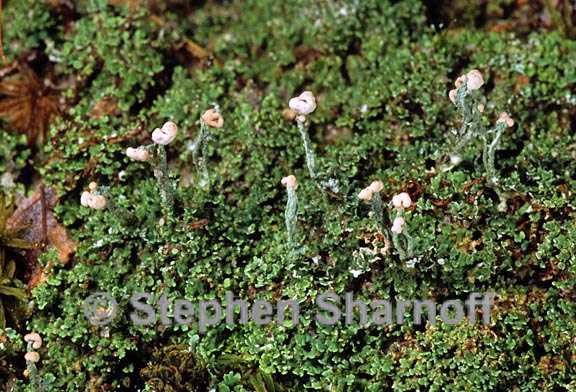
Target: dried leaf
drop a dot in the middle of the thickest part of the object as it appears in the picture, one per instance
(34, 213)
(199, 224)
(107, 106)
(38, 276)
(442, 203)
(29, 104)
(58, 237)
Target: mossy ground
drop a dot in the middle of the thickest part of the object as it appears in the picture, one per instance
(381, 72)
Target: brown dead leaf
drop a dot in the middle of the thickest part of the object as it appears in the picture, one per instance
(466, 187)
(35, 214)
(195, 49)
(306, 55)
(442, 203)
(37, 277)
(503, 27)
(107, 106)
(522, 80)
(8, 68)
(28, 104)
(199, 224)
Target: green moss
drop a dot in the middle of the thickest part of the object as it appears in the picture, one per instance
(28, 25)
(381, 76)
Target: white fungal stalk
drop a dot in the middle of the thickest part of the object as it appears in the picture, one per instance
(291, 212)
(210, 119)
(372, 194)
(34, 342)
(161, 138)
(303, 105)
(310, 159)
(156, 155)
(471, 107)
(403, 242)
(162, 175)
(490, 146)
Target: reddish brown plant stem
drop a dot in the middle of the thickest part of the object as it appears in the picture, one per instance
(44, 216)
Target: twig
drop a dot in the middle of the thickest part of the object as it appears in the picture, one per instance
(44, 215)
